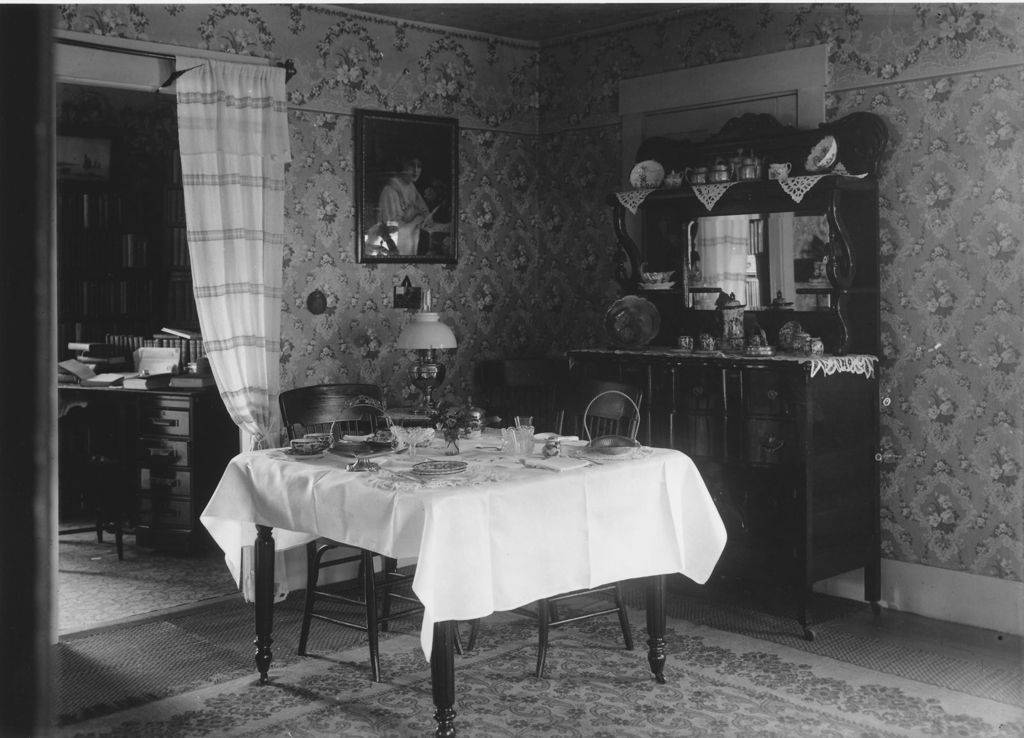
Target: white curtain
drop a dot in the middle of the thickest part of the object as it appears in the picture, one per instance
(233, 136)
(722, 244)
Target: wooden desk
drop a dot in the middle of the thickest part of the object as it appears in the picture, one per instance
(159, 452)
(654, 508)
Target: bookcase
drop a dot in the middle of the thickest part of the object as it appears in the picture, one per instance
(122, 256)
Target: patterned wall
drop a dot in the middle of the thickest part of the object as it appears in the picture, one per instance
(540, 149)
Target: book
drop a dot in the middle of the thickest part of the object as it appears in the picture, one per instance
(94, 349)
(148, 381)
(107, 379)
(182, 333)
(76, 368)
(193, 381)
(99, 359)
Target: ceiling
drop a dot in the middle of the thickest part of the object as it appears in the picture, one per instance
(523, 21)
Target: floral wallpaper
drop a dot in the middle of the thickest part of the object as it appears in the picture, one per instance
(540, 149)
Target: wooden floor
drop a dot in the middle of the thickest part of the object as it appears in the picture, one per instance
(987, 648)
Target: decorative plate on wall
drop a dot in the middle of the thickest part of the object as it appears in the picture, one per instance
(632, 321)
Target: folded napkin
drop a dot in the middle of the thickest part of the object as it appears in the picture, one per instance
(542, 437)
(557, 463)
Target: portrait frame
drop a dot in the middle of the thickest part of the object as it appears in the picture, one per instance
(386, 147)
(84, 154)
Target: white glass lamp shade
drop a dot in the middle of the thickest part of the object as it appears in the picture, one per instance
(426, 331)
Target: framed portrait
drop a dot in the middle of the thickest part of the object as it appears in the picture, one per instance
(407, 193)
(84, 155)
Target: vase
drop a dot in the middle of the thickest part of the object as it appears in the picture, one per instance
(451, 447)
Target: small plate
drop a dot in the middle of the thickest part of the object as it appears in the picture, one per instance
(647, 174)
(294, 454)
(438, 468)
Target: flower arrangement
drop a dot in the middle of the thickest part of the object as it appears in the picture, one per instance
(451, 420)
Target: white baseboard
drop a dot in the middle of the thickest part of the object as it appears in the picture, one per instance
(943, 594)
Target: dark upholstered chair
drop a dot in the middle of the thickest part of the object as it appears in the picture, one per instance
(505, 388)
(347, 408)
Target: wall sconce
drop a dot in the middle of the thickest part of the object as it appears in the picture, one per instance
(426, 335)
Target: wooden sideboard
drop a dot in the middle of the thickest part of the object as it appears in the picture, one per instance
(786, 442)
(157, 454)
(786, 447)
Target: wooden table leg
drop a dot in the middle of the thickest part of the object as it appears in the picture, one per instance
(656, 626)
(442, 678)
(263, 562)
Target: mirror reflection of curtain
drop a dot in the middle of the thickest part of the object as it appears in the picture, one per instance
(233, 136)
(722, 244)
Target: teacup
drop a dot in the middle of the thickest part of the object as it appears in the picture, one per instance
(323, 440)
(306, 446)
(779, 170)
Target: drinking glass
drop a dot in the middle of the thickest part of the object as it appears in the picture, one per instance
(523, 420)
(523, 441)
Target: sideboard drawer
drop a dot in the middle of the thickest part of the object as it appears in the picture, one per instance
(165, 481)
(767, 392)
(163, 452)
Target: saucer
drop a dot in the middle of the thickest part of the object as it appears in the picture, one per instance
(657, 285)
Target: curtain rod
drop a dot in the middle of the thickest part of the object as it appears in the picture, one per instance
(288, 65)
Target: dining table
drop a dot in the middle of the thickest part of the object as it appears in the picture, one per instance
(489, 530)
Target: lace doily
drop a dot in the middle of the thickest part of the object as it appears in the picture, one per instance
(632, 199)
(709, 194)
(859, 364)
(797, 187)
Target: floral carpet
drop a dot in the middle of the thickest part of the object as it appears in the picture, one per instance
(720, 683)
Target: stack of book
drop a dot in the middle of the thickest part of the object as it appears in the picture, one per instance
(100, 357)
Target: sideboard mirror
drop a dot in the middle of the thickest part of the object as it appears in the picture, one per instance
(805, 243)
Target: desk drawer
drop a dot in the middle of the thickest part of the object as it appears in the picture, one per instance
(164, 420)
(159, 510)
(165, 481)
(163, 452)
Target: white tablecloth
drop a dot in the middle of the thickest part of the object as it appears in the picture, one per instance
(494, 538)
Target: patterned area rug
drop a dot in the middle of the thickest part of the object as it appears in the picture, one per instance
(720, 683)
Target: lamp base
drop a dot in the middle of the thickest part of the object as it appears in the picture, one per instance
(427, 375)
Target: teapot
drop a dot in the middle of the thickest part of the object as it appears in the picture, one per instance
(696, 175)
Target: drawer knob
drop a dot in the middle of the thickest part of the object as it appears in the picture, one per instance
(771, 444)
(773, 394)
(161, 452)
(164, 422)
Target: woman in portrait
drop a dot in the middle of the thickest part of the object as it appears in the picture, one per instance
(402, 209)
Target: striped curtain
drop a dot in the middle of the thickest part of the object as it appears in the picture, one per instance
(722, 244)
(233, 136)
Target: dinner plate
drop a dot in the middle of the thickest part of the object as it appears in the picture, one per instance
(632, 321)
(437, 468)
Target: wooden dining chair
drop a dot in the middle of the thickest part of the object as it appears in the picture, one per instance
(341, 409)
(600, 408)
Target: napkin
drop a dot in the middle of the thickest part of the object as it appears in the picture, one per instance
(542, 437)
(557, 463)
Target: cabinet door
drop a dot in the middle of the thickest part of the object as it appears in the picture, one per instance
(701, 417)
